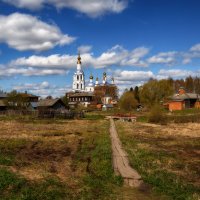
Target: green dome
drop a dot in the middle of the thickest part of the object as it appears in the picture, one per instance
(91, 77)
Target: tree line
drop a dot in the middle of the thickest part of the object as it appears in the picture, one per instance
(156, 91)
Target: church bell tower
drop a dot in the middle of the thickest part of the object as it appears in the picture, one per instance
(79, 77)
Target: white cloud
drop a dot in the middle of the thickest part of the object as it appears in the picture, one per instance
(26, 32)
(6, 71)
(133, 76)
(168, 58)
(195, 47)
(126, 79)
(177, 73)
(29, 4)
(84, 49)
(116, 56)
(43, 89)
(92, 8)
(52, 61)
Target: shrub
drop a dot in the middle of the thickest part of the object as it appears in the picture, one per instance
(127, 101)
(157, 115)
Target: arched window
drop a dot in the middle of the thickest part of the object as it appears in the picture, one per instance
(77, 77)
(77, 86)
(81, 86)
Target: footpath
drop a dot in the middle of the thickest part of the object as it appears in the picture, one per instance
(120, 160)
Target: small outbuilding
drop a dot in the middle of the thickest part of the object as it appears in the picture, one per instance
(183, 100)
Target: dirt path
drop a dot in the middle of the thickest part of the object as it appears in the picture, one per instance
(120, 160)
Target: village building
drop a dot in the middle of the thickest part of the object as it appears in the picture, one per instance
(3, 105)
(91, 94)
(3, 96)
(17, 100)
(51, 104)
(183, 100)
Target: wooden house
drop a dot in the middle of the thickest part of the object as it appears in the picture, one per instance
(51, 104)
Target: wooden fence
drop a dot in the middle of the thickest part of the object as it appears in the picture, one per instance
(64, 114)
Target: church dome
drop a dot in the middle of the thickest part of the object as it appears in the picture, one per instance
(91, 77)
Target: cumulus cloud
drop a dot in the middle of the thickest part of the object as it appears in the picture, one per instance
(127, 78)
(26, 32)
(193, 53)
(125, 75)
(177, 73)
(6, 71)
(116, 56)
(168, 58)
(92, 8)
(196, 47)
(43, 89)
(84, 49)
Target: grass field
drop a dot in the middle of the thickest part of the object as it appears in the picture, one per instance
(167, 156)
(56, 159)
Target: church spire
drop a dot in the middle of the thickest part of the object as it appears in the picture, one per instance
(79, 58)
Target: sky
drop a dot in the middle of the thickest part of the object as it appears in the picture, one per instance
(131, 40)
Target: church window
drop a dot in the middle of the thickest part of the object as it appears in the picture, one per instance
(77, 86)
(81, 85)
(77, 77)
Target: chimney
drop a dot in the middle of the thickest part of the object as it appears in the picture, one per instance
(181, 91)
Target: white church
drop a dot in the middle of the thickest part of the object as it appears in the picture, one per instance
(82, 93)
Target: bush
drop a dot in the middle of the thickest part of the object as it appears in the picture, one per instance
(157, 115)
(128, 102)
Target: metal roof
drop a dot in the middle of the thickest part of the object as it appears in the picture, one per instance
(81, 94)
(181, 97)
(48, 102)
(3, 95)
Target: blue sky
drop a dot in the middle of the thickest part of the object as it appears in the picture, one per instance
(132, 40)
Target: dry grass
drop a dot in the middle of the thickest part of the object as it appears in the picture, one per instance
(43, 150)
(172, 148)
